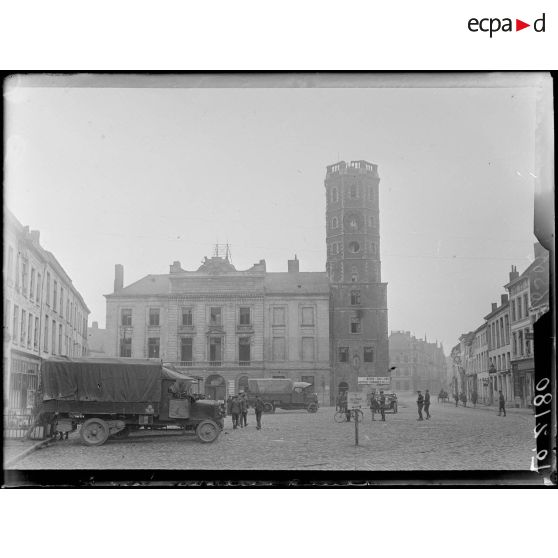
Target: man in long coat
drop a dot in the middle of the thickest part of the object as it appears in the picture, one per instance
(420, 403)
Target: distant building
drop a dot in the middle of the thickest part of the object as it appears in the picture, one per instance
(96, 341)
(44, 314)
(419, 364)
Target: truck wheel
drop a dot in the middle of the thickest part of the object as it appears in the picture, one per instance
(207, 431)
(268, 407)
(312, 408)
(94, 432)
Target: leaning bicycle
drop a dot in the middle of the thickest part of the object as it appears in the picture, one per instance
(355, 414)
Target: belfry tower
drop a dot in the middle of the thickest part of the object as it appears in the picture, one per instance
(358, 298)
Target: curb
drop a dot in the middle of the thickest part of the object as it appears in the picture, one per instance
(25, 453)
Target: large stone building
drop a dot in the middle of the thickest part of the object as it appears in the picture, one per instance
(418, 363)
(44, 314)
(226, 325)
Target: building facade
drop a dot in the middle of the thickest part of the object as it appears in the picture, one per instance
(224, 326)
(44, 314)
(418, 363)
(358, 304)
(96, 341)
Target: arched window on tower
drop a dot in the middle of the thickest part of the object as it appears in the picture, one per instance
(354, 191)
(334, 223)
(334, 195)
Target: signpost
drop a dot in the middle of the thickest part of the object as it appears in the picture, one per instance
(374, 380)
(356, 400)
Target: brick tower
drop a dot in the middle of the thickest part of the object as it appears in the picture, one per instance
(358, 303)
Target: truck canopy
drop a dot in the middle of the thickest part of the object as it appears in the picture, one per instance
(274, 385)
(105, 379)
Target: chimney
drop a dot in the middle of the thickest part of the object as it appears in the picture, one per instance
(293, 265)
(118, 277)
(95, 325)
(175, 267)
(494, 306)
(503, 299)
(35, 235)
(513, 273)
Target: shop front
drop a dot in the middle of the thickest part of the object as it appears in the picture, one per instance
(523, 374)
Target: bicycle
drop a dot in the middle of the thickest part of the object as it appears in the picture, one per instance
(356, 414)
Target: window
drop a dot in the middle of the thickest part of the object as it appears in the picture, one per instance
(334, 223)
(507, 329)
(244, 351)
(24, 276)
(343, 354)
(354, 247)
(126, 345)
(370, 193)
(307, 316)
(32, 284)
(153, 347)
(186, 353)
(61, 301)
(354, 193)
(527, 342)
(244, 316)
(525, 305)
(497, 335)
(355, 298)
(17, 272)
(39, 287)
(520, 342)
(215, 316)
(215, 351)
(353, 223)
(334, 195)
(154, 317)
(36, 335)
(53, 332)
(15, 322)
(278, 316)
(45, 340)
(60, 339)
(308, 349)
(23, 327)
(187, 318)
(519, 313)
(278, 348)
(355, 325)
(126, 316)
(368, 354)
(373, 248)
(513, 310)
(48, 289)
(29, 330)
(55, 297)
(10, 263)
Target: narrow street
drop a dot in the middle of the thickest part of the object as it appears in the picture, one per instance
(456, 438)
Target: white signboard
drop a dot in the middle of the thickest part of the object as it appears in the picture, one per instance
(374, 380)
(231, 387)
(356, 399)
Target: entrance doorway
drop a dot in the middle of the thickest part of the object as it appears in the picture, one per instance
(215, 387)
(243, 384)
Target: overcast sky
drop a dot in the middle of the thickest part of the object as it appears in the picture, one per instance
(143, 177)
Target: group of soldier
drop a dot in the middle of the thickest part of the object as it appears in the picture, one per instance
(237, 408)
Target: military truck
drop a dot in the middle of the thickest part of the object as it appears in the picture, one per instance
(282, 393)
(111, 397)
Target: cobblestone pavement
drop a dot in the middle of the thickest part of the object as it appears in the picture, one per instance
(456, 438)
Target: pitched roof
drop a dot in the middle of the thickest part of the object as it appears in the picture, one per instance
(148, 285)
(311, 282)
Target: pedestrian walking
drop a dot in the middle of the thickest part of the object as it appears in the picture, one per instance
(464, 399)
(258, 407)
(243, 409)
(427, 404)
(235, 411)
(229, 403)
(373, 404)
(474, 398)
(501, 404)
(456, 397)
(383, 405)
(420, 404)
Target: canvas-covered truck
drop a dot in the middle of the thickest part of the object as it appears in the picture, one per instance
(282, 393)
(111, 397)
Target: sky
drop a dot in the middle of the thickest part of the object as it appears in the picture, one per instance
(147, 176)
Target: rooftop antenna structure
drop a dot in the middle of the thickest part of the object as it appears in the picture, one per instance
(223, 251)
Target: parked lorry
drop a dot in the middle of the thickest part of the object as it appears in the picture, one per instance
(282, 393)
(112, 397)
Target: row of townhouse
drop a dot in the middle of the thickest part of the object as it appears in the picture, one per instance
(499, 354)
(44, 314)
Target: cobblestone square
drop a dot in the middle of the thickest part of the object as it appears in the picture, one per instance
(456, 438)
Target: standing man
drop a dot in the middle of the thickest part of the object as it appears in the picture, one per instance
(243, 409)
(258, 407)
(456, 397)
(501, 404)
(235, 411)
(383, 405)
(427, 404)
(373, 404)
(420, 403)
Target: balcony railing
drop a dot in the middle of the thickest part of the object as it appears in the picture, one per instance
(215, 363)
